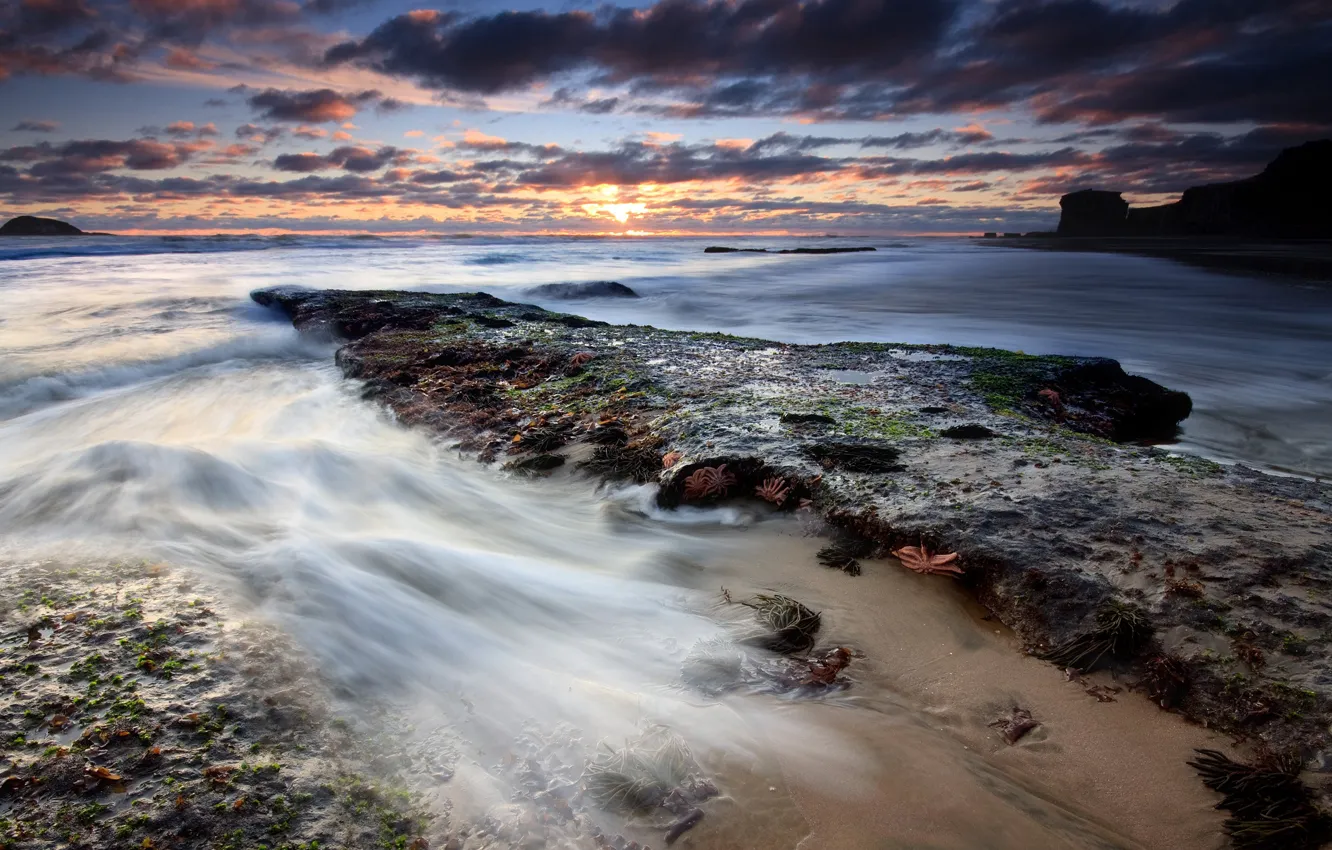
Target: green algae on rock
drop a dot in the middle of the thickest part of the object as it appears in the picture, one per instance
(1056, 518)
(137, 713)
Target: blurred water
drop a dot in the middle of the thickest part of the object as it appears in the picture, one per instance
(148, 408)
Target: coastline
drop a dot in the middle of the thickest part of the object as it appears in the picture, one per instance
(1007, 459)
(1307, 259)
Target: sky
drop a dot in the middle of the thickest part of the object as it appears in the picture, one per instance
(670, 117)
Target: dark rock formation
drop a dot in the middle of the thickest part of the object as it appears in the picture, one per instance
(591, 289)
(719, 249)
(31, 225)
(1290, 199)
(1064, 538)
(1092, 212)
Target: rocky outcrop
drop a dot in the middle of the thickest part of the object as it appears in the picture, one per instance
(1092, 212)
(31, 225)
(1290, 199)
(1222, 578)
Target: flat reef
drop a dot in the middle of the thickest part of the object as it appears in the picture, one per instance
(1205, 586)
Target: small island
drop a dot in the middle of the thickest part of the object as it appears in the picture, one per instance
(31, 225)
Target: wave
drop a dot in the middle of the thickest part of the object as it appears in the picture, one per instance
(28, 394)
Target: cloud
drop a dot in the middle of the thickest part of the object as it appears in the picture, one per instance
(634, 163)
(184, 129)
(349, 158)
(31, 126)
(316, 106)
(301, 162)
(180, 59)
(510, 50)
(99, 155)
(1197, 61)
(256, 133)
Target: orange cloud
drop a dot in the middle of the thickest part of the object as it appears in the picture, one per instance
(476, 138)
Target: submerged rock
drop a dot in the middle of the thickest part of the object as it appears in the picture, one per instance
(591, 289)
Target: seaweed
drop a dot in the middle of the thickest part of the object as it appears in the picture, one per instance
(654, 769)
(1270, 808)
(1120, 633)
(639, 461)
(1166, 679)
(844, 555)
(788, 625)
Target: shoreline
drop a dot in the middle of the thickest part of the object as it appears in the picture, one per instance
(247, 716)
(1068, 538)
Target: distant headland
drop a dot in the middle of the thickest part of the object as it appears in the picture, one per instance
(1288, 200)
(1278, 221)
(31, 225)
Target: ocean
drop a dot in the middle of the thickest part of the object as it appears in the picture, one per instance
(149, 409)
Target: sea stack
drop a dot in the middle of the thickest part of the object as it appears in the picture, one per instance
(1092, 212)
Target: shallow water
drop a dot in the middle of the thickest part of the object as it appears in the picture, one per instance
(147, 408)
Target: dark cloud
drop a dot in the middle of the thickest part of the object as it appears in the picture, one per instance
(106, 40)
(436, 177)
(101, 155)
(1068, 60)
(190, 21)
(509, 50)
(901, 141)
(907, 141)
(254, 132)
(349, 158)
(634, 163)
(301, 162)
(30, 126)
(316, 106)
(489, 145)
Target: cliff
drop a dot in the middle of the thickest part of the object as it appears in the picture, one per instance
(1288, 200)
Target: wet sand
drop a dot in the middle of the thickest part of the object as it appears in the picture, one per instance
(932, 772)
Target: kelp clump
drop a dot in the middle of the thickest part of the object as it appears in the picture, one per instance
(645, 773)
(1270, 807)
(1119, 634)
(785, 625)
